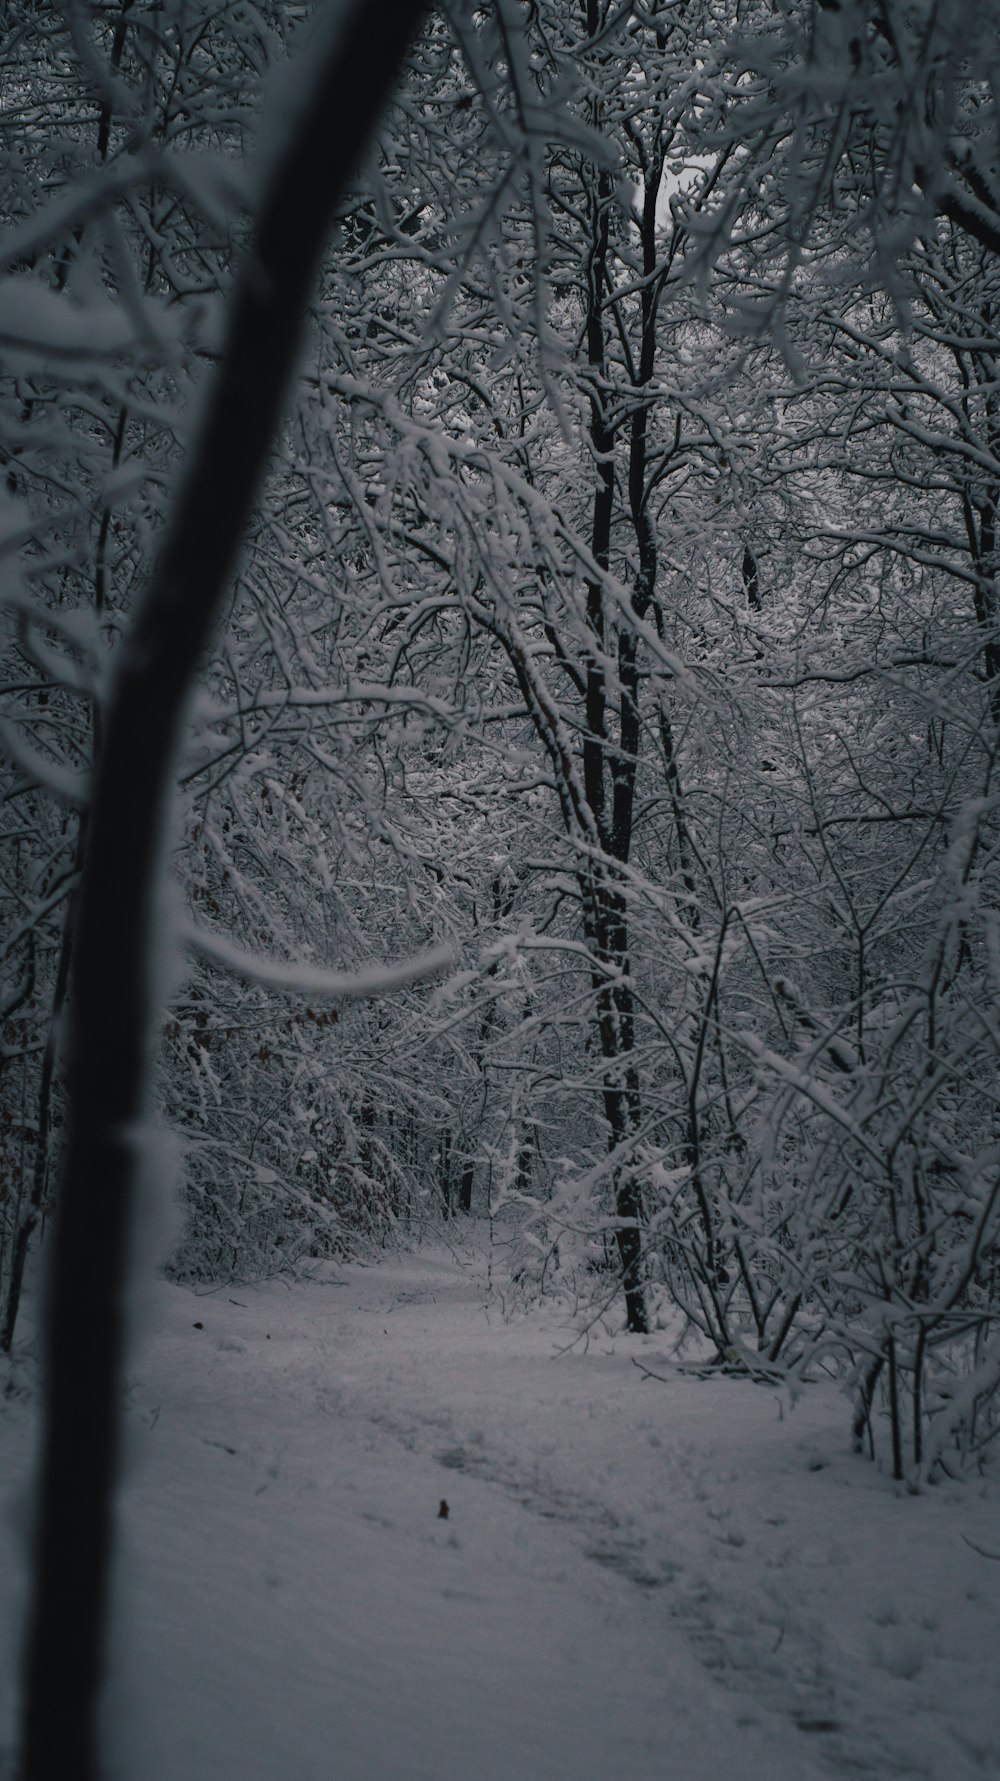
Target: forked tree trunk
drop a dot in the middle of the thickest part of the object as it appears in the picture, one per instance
(345, 81)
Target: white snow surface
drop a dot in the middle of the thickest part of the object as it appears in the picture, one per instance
(658, 1579)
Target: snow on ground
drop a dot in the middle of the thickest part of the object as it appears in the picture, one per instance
(664, 1580)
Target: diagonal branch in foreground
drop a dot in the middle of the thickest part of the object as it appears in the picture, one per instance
(344, 81)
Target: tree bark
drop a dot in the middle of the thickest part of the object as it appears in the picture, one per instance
(114, 1002)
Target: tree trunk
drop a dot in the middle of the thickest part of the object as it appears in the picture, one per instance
(115, 1000)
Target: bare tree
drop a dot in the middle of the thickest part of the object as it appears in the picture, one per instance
(353, 66)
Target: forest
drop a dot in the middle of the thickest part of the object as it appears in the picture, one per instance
(500, 685)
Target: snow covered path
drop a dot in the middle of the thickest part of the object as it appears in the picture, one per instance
(664, 1581)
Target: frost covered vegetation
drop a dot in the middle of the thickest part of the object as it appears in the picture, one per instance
(619, 610)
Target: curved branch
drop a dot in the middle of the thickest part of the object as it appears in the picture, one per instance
(343, 82)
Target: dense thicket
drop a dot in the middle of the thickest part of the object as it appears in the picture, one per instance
(620, 609)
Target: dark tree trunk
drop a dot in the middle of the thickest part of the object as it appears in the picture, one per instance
(444, 1171)
(114, 1001)
(751, 580)
(610, 752)
(28, 1222)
